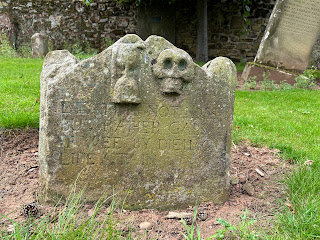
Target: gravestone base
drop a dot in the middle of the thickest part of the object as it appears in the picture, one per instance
(276, 75)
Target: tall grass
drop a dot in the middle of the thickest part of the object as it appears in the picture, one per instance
(70, 222)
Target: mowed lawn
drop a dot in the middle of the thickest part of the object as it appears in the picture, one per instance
(288, 120)
(19, 92)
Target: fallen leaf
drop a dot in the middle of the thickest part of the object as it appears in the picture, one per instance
(308, 162)
(290, 206)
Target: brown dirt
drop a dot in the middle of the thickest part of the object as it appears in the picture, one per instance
(19, 186)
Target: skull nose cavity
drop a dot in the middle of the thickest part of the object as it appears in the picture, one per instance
(167, 63)
(172, 85)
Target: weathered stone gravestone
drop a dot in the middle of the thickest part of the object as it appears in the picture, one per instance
(315, 57)
(39, 45)
(140, 120)
(289, 38)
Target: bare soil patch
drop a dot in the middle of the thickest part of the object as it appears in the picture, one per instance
(258, 170)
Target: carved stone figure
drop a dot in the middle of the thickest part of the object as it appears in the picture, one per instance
(126, 61)
(174, 67)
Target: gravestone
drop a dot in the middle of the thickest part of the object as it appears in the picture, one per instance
(140, 120)
(290, 36)
(39, 45)
(315, 56)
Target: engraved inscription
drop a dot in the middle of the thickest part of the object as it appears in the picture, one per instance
(165, 129)
(301, 18)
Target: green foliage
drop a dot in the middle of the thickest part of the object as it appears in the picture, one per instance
(81, 49)
(250, 83)
(88, 49)
(25, 50)
(246, 7)
(190, 230)
(285, 86)
(267, 84)
(76, 48)
(107, 42)
(240, 231)
(6, 48)
(50, 45)
(307, 79)
(240, 65)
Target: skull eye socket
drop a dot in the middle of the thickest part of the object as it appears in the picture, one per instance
(182, 65)
(167, 63)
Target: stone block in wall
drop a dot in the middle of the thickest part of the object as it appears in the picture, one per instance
(7, 28)
(256, 27)
(243, 46)
(237, 22)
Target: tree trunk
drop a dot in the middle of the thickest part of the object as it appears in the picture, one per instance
(202, 31)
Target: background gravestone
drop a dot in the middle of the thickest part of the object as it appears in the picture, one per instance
(289, 38)
(139, 119)
(315, 57)
(39, 45)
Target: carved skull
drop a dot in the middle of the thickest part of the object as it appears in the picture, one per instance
(174, 67)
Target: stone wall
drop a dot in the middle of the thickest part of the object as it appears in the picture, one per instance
(71, 22)
(226, 35)
(6, 26)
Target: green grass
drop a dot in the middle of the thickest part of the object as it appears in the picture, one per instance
(289, 121)
(19, 91)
